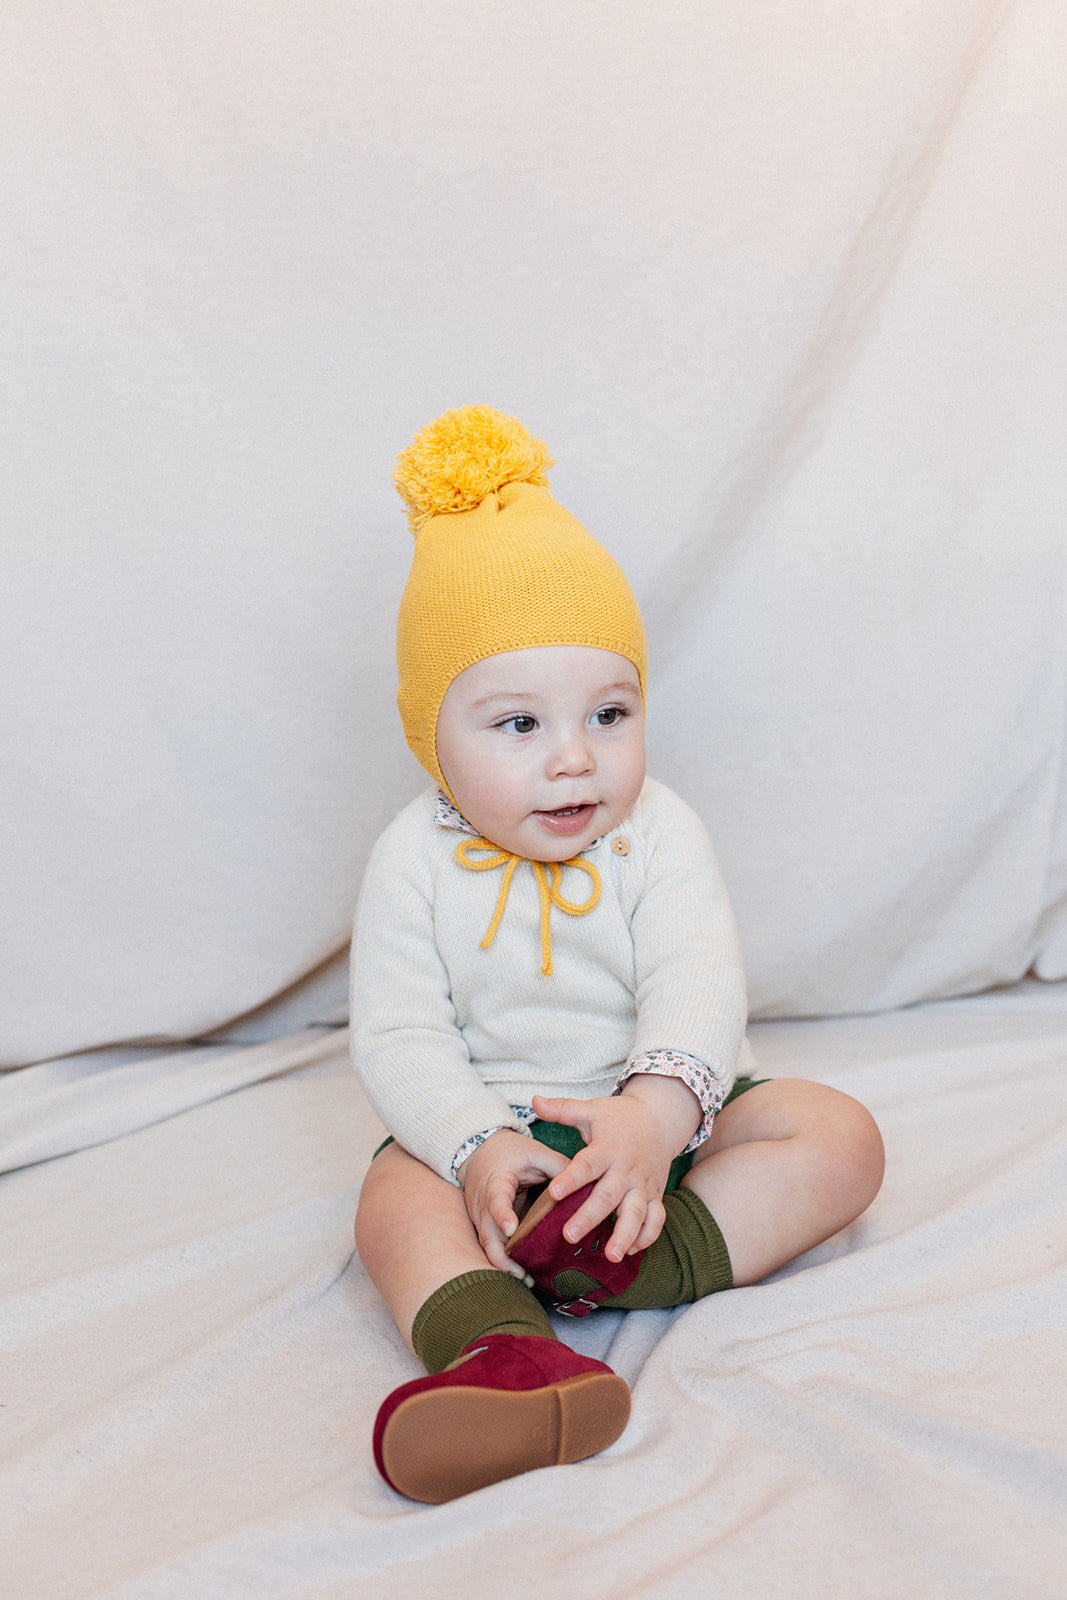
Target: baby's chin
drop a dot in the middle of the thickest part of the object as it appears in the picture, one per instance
(532, 842)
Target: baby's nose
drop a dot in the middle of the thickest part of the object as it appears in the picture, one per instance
(574, 756)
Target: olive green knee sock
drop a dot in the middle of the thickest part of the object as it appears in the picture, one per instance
(686, 1262)
(470, 1306)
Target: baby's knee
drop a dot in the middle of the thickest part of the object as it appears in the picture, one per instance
(854, 1150)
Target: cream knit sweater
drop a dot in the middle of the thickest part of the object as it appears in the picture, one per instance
(449, 1037)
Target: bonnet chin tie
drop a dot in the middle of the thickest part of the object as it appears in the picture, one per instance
(548, 882)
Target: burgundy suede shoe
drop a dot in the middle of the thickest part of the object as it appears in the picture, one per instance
(512, 1402)
(538, 1245)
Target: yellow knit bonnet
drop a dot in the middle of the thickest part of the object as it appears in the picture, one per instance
(498, 565)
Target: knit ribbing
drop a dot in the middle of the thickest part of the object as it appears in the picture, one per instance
(470, 1306)
(688, 1261)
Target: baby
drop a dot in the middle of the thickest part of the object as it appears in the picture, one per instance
(548, 1002)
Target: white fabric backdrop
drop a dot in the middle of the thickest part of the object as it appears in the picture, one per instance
(782, 287)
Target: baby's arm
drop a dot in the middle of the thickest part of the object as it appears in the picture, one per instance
(406, 1041)
(492, 1176)
(631, 1139)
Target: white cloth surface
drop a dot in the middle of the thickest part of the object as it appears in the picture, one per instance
(192, 1358)
(781, 285)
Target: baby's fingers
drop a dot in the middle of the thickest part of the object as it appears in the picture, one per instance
(494, 1244)
(499, 1202)
(630, 1217)
(650, 1230)
(604, 1198)
(638, 1220)
(575, 1113)
(491, 1209)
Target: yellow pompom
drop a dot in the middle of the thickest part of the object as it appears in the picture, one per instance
(466, 454)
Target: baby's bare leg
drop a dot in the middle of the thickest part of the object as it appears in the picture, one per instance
(413, 1233)
(788, 1164)
(501, 1396)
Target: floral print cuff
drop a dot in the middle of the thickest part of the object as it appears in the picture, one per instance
(469, 1146)
(694, 1073)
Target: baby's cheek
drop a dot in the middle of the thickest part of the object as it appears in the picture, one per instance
(496, 804)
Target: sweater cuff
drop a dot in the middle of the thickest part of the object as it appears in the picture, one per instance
(694, 1073)
(469, 1146)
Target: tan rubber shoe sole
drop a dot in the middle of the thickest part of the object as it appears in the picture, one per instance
(442, 1443)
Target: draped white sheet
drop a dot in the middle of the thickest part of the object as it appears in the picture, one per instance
(192, 1357)
(782, 286)
(781, 282)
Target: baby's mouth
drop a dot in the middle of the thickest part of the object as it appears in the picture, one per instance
(568, 819)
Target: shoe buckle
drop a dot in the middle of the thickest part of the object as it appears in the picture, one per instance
(569, 1308)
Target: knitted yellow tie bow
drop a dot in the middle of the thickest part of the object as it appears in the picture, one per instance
(548, 883)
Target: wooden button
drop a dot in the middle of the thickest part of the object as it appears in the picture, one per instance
(621, 846)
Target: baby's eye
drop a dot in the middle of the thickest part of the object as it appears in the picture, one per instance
(608, 716)
(520, 724)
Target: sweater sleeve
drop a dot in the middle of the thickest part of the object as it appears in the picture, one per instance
(690, 983)
(406, 1044)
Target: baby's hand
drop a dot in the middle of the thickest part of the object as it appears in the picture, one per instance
(631, 1140)
(492, 1177)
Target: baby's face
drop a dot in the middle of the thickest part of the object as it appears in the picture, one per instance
(544, 749)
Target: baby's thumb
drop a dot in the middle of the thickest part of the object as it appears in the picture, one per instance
(575, 1113)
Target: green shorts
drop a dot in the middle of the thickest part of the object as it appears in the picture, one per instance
(568, 1141)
